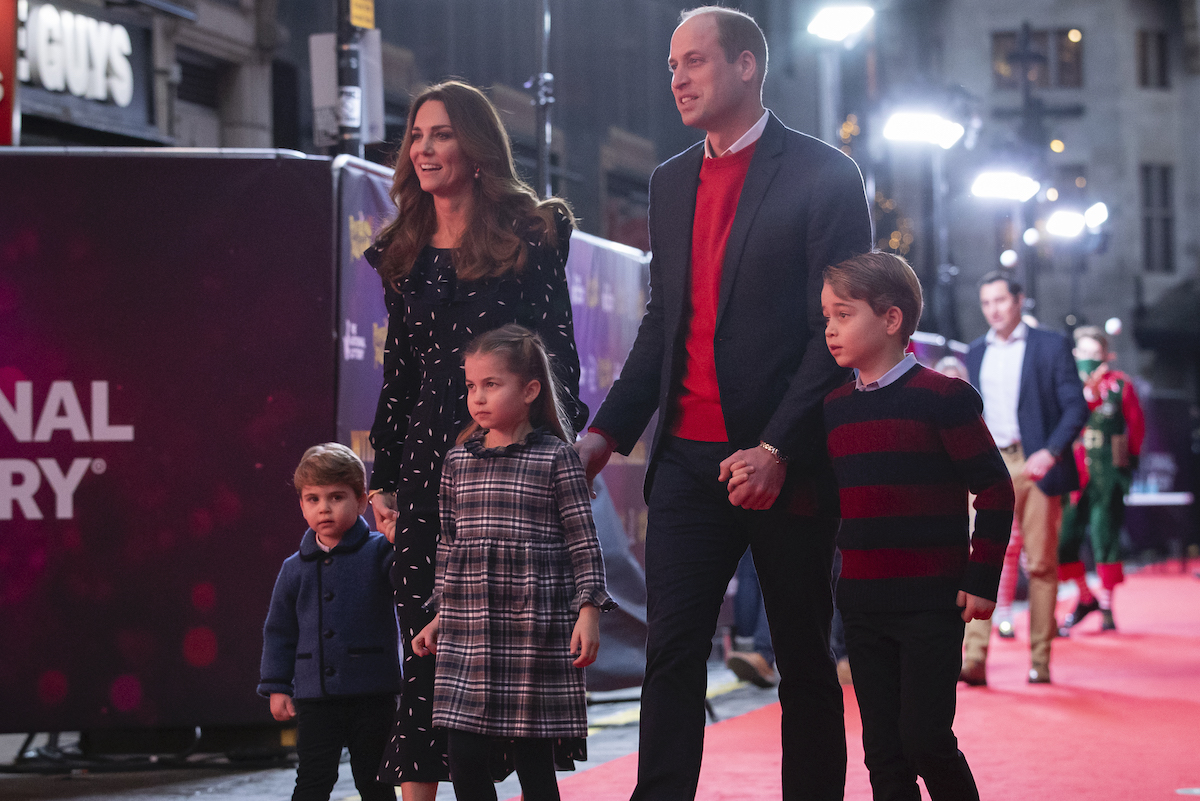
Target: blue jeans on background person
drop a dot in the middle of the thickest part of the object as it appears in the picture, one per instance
(749, 612)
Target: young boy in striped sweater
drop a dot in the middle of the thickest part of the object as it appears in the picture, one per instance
(907, 445)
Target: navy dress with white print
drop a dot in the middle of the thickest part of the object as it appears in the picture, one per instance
(422, 409)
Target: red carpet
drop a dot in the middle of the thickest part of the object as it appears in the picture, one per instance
(1120, 723)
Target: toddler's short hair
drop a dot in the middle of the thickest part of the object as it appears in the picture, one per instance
(331, 463)
(881, 280)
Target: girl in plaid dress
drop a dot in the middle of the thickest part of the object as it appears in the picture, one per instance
(520, 579)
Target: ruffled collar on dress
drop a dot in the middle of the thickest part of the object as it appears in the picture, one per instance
(475, 446)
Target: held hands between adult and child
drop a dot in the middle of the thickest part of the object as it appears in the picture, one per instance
(585, 639)
(383, 506)
(757, 487)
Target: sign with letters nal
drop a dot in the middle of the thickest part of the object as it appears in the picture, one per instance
(363, 209)
(165, 359)
(9, 111)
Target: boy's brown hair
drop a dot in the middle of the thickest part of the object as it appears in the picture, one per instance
(881, 280)
(331, 463)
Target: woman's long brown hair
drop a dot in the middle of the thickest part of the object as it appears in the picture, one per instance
(506, 211)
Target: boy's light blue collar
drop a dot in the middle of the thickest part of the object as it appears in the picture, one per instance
(902, 367)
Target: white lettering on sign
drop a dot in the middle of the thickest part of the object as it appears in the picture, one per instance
(69, 52)
(61, 411)
(20, 479)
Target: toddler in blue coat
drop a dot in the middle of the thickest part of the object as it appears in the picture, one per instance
(329, 644)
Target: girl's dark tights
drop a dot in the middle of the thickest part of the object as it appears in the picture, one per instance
(470, 767)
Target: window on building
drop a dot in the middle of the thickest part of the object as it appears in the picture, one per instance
(1152, 60)
(200, 78)
(1158, 218)
(1057, 59)
(1068, 58)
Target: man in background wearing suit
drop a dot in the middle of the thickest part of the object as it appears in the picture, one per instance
(731, 354)
(1033, 405)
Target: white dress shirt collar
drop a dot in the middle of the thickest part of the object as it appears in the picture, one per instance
(1021, 332)
(748, 138)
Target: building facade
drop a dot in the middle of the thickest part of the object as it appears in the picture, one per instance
(1118, 88)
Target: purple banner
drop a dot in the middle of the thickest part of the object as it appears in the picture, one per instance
(363, 209)
(609, 288)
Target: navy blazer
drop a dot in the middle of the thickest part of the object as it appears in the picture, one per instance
(331, 629)
(802, 207)
(1051, 409)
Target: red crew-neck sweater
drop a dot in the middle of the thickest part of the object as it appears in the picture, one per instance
(698, 414)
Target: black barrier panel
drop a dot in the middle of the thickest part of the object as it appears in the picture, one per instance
(167, 352)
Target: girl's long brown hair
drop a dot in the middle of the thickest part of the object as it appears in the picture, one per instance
(506, 211)
(525, 356)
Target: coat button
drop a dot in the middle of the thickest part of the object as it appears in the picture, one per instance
(329, 560)
(330, 671)
(329, 634)
(329, 596)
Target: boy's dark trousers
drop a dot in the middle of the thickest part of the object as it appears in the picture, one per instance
(323, 725)
(906, 667)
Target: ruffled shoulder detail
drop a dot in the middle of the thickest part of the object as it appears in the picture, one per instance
(475, 445)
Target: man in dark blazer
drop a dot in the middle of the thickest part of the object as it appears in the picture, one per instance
(731, 354)
(1033, 404)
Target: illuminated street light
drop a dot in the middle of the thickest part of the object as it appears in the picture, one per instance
(1096, 215)
(837, 23)
(1005, 186)
(1065, 224)
(923, 126)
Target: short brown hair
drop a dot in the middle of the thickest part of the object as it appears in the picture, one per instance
(881, 280)
(1092, 332)
(331, 463)
(737, 32)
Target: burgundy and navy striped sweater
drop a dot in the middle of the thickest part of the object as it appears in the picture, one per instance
(905, 456)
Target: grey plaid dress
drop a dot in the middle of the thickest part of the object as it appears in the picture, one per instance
(517, 557)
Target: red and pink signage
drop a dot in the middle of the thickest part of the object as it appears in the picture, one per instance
(8, 72)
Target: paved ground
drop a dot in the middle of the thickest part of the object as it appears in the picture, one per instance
(614, 734)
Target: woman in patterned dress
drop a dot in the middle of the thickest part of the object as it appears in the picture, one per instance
(520, 578)
(471, 249)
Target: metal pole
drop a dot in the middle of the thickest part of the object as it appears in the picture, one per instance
(350, 92)
(831, 94)
(545, 96)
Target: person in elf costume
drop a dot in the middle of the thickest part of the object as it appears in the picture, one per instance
(1106, 454)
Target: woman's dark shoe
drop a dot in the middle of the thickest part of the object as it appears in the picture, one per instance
(1082, 610)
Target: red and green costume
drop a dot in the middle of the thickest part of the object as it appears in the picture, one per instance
(1105, 451)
